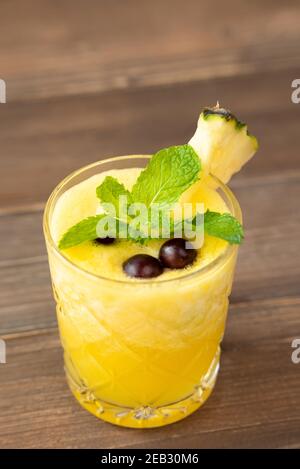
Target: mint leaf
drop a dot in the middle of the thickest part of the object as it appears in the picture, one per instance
(90, 228)
(219, 225)
(85, 230)
(169, 173)
(109, 192)
(224, 226)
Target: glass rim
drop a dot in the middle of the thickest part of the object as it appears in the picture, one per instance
(235, 210)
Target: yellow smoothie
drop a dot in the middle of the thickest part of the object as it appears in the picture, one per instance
(138, 353)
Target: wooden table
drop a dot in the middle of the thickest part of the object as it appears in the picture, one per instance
(92, 79)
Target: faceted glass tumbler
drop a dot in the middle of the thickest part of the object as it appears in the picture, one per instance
(140, 354)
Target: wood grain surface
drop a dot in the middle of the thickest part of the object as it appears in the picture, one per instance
(86, 80)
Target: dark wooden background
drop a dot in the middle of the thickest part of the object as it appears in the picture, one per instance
(90, 79)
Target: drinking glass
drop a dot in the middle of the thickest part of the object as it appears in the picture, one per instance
(140, 353)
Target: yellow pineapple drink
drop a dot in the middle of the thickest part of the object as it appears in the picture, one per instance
(138, 352)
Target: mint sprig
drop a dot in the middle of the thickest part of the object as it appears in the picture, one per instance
(170, 172)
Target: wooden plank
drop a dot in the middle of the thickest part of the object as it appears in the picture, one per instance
(250, 406)
(59, 49)
(270, 254)
(64, 134)
(283, 434)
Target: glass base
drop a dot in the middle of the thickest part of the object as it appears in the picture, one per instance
(145, 416)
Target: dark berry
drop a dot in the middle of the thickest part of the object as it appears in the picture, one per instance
(142, 266)
(175, 255)
(106, 240)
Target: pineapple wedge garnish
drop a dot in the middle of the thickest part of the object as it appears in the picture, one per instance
(222, 142)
